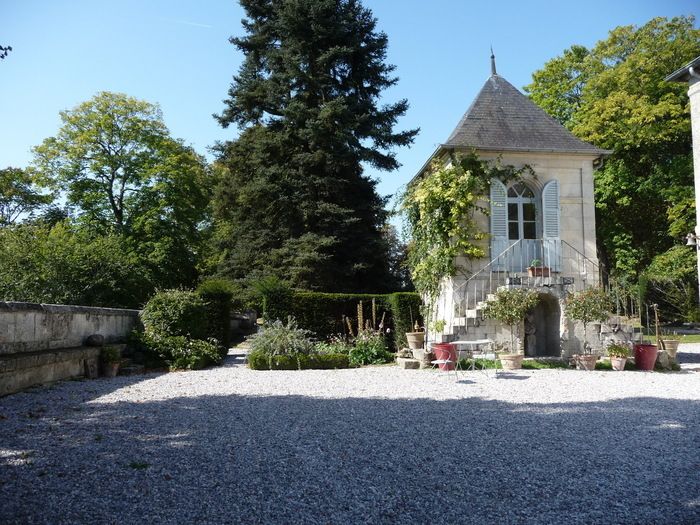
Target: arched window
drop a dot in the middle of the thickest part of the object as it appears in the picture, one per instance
(522, 212)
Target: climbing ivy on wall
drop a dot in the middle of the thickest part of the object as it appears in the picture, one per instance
(440, 211)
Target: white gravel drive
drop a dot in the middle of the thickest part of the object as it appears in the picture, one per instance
(371, 445)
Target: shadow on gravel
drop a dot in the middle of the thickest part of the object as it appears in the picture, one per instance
(688, 357)
(292, 459)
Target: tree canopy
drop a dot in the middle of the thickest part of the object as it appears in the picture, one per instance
(306, 100)
(614, 96)
(121, 172)
(20, 194)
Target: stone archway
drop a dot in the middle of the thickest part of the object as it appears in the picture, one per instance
(542, 328)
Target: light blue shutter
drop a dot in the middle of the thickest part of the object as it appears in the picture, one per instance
(550, 225)
(499, 222)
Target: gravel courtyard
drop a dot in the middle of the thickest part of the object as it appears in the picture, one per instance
(372, 445)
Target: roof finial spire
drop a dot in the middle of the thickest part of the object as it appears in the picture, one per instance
(493, 63)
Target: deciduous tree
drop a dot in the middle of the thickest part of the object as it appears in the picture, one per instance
(615, 96)
(20, 195)
(121, 172)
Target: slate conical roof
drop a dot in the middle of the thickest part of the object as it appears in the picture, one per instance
(502, 118)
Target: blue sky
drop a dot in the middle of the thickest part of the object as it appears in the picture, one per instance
(176, 54)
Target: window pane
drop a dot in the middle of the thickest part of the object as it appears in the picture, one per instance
(512, 212)
(512, 192)
(513, 232)
(529, 230)
(528, 212)
(527, 192)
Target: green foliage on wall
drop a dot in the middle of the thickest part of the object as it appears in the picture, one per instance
(441, 210)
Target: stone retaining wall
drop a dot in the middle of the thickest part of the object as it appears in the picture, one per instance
(40, 343)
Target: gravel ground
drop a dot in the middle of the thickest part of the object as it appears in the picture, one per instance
(372, 445)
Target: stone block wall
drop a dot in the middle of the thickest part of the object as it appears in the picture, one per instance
(40, 343)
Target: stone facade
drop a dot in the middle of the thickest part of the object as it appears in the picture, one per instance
(548, 216)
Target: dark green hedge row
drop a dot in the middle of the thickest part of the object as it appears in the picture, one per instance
(218, 298)
(323, 313)
(261, 361)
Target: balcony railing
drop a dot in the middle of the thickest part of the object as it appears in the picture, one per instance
(557, 264)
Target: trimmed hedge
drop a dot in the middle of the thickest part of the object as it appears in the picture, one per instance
(262, 361)
(218, 298)
(322, 313)
(404, 306)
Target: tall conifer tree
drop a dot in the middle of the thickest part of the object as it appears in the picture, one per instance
(294, 201)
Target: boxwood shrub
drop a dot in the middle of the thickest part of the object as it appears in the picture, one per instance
(175, 313)
(258, 360)
(179, 352)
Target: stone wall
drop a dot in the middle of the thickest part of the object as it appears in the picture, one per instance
(40, 343)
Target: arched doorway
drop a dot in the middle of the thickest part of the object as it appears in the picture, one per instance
(542, 328)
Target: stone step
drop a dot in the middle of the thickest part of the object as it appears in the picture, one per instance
(408, 363)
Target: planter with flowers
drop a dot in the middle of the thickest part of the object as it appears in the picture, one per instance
(110, 359)
(537, 269)
(618, 354)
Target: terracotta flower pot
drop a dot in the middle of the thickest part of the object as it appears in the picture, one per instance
(618, 363)
(511, 361)
(110, 369)
(671, 346)
(416, 340)
(645, 356)
(538, 271)
(445, 351)
(585, 361)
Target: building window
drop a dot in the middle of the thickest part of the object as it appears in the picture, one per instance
(522, 212)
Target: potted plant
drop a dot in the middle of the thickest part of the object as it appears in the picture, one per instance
(537, 269)
(110, 357)
(645, 353)
(618, 353)
(592, 304)
(670, 346)
(416, 338)
(509, 306)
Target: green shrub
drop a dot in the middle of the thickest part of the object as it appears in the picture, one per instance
(277, 338)
(258, 360)
(370, 349)
(175, 313)
(275, 297)
(217, 295)
(333, 346)
(246, 296)
(179, 352)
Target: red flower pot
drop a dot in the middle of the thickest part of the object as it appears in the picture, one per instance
(645, 356)
(445, 351)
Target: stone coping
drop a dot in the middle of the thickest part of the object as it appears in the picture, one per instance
(16, 306)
